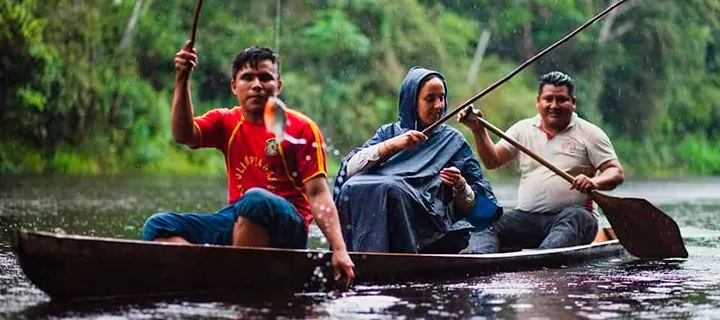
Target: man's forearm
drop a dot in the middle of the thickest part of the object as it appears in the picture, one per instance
(326, 216)
(486, 149)
(182, 113)
(329, 224)
(331, 229)
(610, 178)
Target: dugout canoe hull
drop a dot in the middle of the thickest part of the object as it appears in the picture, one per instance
(69, 267)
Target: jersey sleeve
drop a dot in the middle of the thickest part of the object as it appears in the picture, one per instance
(210, 128)
(311, 154)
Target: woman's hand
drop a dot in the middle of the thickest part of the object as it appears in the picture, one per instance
(452, 177)
(407, 140)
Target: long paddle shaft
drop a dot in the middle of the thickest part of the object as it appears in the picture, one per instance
(521, 67)
(644, 230)
(529, 152)
(193, 29)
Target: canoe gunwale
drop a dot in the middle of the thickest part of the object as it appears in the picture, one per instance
(531, 252)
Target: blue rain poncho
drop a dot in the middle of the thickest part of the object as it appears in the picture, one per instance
(401, 205)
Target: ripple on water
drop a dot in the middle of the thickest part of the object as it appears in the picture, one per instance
(16, 292)
(361, 306)
(601, 290)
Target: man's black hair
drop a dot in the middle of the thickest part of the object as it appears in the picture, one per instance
(253, 56)
(557, 79)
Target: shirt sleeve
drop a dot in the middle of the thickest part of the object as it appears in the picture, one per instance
(363, 159)
(599, 148)
(211, 131)
(311, 154)
(465, 198)
(513, 132)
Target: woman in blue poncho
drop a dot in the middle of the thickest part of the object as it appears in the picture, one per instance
(403, 191)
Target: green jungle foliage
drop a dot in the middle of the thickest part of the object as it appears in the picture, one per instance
(86, 84)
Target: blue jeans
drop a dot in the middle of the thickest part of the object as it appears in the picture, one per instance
(519, 229)
(277, 215)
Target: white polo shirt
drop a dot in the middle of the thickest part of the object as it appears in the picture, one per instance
(580, 148)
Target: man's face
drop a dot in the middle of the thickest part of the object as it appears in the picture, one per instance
(555, 106)
(253, 87)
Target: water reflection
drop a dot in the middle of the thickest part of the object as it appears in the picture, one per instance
(118, 206)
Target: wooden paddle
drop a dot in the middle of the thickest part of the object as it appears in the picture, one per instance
(193, 28)
(644, 230)
(521, 67)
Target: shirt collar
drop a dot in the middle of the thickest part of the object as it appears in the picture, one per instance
(537, 122)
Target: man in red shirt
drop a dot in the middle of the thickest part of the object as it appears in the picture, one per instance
(275, 189)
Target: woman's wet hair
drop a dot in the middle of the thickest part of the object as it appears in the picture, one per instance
(425, 80)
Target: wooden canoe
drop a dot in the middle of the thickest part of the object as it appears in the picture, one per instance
(70, 267)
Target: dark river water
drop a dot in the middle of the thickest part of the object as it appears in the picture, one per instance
(118, 206)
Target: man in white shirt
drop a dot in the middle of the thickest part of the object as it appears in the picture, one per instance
(550, 213)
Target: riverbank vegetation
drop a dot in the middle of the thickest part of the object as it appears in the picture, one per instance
(86, 85)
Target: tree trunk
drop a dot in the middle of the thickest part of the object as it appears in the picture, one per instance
(479, 56)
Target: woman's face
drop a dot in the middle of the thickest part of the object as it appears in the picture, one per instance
(431, 101)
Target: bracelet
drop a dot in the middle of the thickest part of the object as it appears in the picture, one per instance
(458, 188)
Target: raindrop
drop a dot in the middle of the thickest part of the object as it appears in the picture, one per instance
(307, 158)
(336, 152)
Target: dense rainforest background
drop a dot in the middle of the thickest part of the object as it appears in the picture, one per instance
(85, 85)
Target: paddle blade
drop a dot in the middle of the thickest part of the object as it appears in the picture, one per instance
(275, 118)
(644, 230)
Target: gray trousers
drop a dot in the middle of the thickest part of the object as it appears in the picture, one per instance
(519, 229)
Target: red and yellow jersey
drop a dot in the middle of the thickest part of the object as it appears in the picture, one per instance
(254, 159)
